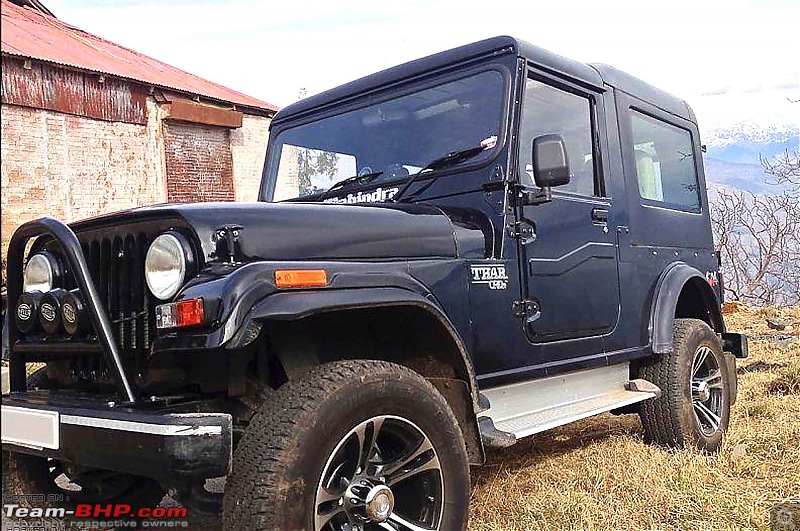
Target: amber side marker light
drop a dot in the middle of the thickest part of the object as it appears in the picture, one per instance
(301, 278)
(180, 314)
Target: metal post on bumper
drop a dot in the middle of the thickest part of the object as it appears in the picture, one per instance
(97, 312)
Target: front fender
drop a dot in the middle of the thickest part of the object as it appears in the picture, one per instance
(246, 297)
(461, 392)
(230, 296)
(288, 306)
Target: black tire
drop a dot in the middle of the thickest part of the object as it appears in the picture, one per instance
(24, 475)
(679, 417)
(292, 440)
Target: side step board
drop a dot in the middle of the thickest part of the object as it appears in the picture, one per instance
(525, 408)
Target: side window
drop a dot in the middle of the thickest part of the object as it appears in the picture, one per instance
(548, 110)
(665, 166)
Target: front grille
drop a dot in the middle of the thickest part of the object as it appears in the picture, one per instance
(116, 265)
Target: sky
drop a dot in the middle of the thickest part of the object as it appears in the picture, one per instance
(731, 60)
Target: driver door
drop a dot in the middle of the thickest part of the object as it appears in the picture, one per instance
(571, 265)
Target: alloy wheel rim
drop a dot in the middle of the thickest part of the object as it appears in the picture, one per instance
(706, 388)
(383, 474)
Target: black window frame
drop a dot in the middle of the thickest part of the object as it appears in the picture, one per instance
(601, 191)
(390, 92)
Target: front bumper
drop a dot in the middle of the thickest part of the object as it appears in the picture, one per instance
(85, 430)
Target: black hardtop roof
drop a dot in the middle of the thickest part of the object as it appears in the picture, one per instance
(645, 91)
(588, 74)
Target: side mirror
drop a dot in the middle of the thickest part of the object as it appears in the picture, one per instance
(550, 162)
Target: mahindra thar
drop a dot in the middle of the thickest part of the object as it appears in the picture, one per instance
(448, 255)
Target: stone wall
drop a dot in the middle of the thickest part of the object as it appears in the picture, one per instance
(249, 149)
(72, 167)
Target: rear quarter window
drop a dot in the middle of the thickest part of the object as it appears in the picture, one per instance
(665, 164)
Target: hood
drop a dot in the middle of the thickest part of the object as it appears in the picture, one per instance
(303, 231)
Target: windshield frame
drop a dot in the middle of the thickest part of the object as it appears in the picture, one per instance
(385, 93)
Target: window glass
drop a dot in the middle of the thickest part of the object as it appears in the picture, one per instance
(548, 110)
(312, 170)
(394, 138)
(665, 167)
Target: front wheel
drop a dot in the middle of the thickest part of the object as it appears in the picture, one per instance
(353, 445)
(695, 380)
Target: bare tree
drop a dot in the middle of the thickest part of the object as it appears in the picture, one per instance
(758, 236)
(759, 239)
(785, 168)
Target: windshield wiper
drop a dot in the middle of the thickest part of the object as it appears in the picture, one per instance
(355, 179)
(451, 159)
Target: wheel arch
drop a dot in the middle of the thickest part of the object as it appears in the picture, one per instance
(681, 292)
(304, 329)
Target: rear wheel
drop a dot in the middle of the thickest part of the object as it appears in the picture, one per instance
(695, 380)
(353, 445)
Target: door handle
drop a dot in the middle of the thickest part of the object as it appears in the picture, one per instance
(600, 216)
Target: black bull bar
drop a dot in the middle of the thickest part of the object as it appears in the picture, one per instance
(73, 253)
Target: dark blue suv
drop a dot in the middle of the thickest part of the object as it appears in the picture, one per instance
(450, 254)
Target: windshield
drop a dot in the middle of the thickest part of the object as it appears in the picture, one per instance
(397, 138)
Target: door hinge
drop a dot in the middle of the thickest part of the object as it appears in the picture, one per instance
(520, 230)
(526, 309)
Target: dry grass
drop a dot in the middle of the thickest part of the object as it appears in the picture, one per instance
(598, 474)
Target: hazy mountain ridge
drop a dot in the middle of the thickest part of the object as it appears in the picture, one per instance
(734, 157)
(749, 177)
(753, 132)
(734, 153)
(742, 125)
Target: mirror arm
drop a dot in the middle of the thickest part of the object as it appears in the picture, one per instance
(535, 197)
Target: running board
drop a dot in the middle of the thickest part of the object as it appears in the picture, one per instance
(525, 408)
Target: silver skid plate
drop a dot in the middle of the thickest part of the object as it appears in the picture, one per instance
(530, 407)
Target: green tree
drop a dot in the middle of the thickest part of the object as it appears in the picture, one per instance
(315, 162)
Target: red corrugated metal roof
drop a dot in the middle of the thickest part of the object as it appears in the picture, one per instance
(28, 33)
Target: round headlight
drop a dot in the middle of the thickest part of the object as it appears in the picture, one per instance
(39, 274)
(165, 265)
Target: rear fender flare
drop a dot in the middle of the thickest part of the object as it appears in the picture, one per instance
(665, 301)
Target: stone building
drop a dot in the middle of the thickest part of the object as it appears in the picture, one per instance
(89, 126)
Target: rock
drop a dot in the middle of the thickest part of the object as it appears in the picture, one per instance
(777, 324)
(788, 342)
(738, 452)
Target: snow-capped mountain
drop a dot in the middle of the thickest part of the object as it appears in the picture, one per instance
(752, 132)
(740, 126)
